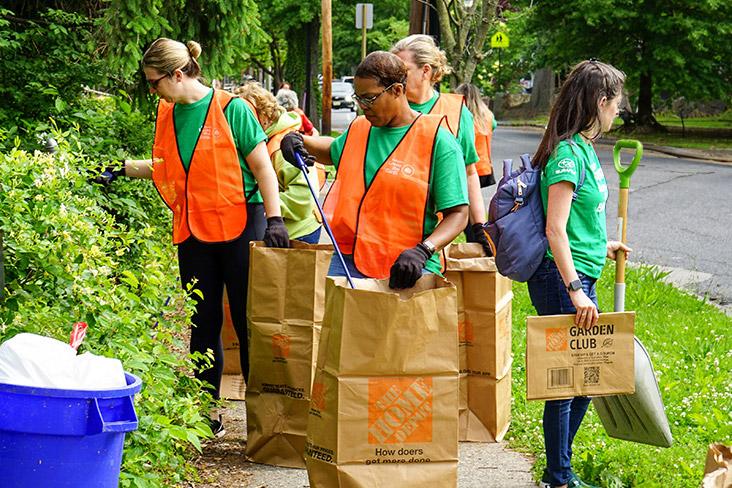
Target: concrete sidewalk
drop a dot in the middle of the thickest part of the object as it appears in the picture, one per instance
(223, 465)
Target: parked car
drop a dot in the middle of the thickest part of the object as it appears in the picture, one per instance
(341, 95)
(347, 79)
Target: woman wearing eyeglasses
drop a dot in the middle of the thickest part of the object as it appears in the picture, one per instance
(396, 169)
(212, 170)
(427, 65)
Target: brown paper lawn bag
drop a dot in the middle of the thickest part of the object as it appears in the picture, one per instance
(284, 315)
(484, 299)
(384, 409)
(563, 360)
(718, 467)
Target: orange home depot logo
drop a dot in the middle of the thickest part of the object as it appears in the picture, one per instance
(317, 396)
(465, 332)
(280, 345)
(400, 410)
(556, 339)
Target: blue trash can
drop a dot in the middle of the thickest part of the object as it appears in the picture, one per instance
(64, 438)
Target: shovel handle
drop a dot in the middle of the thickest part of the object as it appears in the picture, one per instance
(625, 172)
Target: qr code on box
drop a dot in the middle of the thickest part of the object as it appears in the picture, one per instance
(592, 375)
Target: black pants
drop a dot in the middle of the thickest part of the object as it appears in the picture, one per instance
(213, 266)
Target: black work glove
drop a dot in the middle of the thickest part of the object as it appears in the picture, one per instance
(477, 234)
(407, 268)
(110, 174)
(276, 234)
(293, 144)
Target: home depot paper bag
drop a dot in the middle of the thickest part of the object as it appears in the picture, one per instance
(284, 313)
(718, 467)
(563, 360)
(384, 409)
(484, 300)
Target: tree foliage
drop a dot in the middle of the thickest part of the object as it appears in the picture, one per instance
(667, 48)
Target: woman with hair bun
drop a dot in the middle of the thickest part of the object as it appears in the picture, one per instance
(211, 167)
(427, 65)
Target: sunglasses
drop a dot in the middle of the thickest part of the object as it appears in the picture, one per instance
(154, 83)
(369, 101)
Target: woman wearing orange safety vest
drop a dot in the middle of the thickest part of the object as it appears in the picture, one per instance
(396, 169)
(427, 65)
(210, 166)
(485, 124)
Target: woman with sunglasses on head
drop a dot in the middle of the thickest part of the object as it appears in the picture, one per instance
(396, 169)
(427, 65)
(575, 227)
(211, 167)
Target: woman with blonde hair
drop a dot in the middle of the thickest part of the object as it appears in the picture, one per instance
(427, 65)
(211, 168)
(485, 124)
(296, 204)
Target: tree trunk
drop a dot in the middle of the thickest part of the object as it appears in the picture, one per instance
(644, 120)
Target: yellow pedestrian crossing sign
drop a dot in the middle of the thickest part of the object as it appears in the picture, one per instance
(499, 40)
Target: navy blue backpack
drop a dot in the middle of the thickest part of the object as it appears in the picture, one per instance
(516, 223)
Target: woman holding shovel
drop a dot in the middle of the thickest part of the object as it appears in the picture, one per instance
(575, 227)
(427, 65)
(211, 167)
(396, 169)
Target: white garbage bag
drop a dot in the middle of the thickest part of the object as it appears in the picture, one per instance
(33, 360)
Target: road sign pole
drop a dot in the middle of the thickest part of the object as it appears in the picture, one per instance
(363, 31)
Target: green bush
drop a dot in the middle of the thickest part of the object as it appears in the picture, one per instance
(690, 345)
(77, 251)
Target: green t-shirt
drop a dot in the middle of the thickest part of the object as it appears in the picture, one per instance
(189, 119)
(466, 131)
(448, 186)
(586, 223)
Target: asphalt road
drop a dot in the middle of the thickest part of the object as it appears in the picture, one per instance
(679, 215)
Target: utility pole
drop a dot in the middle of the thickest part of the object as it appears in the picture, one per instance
(325, 7)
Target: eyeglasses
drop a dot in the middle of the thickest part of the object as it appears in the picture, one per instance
(369, 101)
(154, 83)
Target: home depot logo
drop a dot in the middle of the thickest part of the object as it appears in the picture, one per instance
(400, 410)
(281, 346)
(556, 339)
(466, 334)
(317, 396)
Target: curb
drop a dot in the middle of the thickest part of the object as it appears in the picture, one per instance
(672, 151)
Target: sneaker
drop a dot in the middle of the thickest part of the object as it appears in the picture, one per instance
(217, 427)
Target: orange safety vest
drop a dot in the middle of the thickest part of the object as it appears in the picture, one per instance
(450, 105)
(483, 148)
(208, 200)
(378, 222)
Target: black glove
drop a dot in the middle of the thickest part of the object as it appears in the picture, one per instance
(293, 144)
(276, 234)
(477, 234)
(407, 268)
(109, 175)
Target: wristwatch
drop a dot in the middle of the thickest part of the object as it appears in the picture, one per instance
(430, 247)
(574, 285)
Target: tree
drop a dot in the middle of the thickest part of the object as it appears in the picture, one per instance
(674, 47)
(464, 27)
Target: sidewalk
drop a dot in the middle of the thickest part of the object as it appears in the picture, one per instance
(222, 464)
(715, 155)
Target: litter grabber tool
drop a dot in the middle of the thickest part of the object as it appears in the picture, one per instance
(304, 168)
(639, 417)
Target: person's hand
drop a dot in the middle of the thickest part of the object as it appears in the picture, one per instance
(614, 246)
(407, 268)
(477, 234)
(293, 144)
(587, 314)
(276, 234)
(110, 174)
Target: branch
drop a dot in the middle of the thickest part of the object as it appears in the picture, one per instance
(261, 66)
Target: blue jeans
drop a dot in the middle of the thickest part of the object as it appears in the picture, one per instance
(562, 418)
(312, 238)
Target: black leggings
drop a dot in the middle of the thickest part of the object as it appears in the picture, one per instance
(214, 265)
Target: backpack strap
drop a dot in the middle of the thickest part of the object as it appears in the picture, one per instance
(572, 146)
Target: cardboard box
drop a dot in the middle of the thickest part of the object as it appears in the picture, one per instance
(564, 361)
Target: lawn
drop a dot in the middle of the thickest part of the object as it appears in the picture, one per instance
(691, 347)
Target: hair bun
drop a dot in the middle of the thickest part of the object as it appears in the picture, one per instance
(194, 49)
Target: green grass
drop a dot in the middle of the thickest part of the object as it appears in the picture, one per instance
(721, 121)
(691, 347)
(688, 142)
